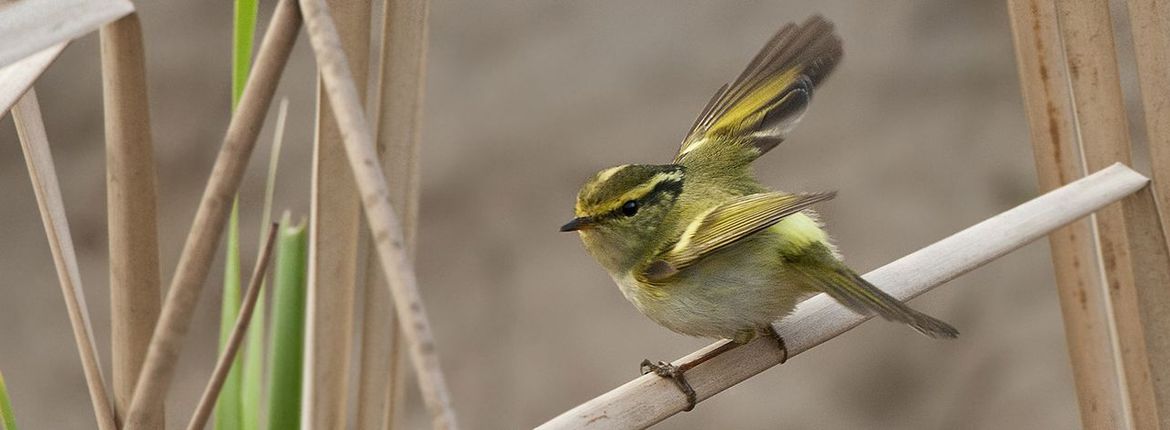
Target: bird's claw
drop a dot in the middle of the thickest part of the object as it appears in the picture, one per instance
(667, 370)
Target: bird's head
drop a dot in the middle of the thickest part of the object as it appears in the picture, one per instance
(619, 211)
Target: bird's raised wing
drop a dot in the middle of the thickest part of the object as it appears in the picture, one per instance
(759, 108)
(725, 224)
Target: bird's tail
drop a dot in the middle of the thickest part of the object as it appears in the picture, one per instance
(847, 287)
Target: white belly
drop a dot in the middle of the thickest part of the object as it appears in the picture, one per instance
(740, 289)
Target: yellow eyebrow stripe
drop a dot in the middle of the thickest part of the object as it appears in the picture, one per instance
(639, 191)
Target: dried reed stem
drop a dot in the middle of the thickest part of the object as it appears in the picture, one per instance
(398, 116)
(135, 296)
(224, 363)
(1151, 269)
(29, 26)
(16, 78)
(384, 224)
(334, 224)
(1079, 283)
(650, 399)
(1150, 21)
(195, 260)
(1087, 32)
(35, 143)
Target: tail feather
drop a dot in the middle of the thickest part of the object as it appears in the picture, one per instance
(857, 294)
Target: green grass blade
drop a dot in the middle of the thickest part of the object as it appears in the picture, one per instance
(228, 407)
(288, 327)
(252, 389)
(243, 385)
(7, 419)
(244, 31)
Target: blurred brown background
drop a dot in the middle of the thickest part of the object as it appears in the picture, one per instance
(920, 129)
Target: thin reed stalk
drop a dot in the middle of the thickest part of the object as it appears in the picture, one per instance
(228, 356)
(334, 223)
(35, 143)
(401, 82)
(384, 224)
(18, 77)
(131, 202)
(650, 398)
(1079, 281)
(210, 218)
(1087, 33)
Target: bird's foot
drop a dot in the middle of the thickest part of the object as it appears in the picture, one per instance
(675, 373)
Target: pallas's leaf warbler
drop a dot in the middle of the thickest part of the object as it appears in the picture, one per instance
(700, 246)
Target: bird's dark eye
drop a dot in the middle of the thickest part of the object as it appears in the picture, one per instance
(630, 208)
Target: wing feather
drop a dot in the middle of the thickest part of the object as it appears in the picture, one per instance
(725, 224)
(766, 100)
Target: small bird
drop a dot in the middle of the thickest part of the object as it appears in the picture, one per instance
(700, 246)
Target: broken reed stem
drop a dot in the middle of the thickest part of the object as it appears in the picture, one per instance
(206, 230)
(1079, 282)
(224, 363)
(384, 224)
(650, 399)
(398, 116)
(1087, 32)
(335, 222)
(16, 78)
(35, 143)
(30, 26)
(135, 296)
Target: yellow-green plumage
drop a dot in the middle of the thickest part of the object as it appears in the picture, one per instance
(699, 245)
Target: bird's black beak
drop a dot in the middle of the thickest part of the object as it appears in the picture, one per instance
(579, 223)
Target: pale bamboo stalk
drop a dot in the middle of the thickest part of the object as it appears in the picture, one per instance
(29, 26)
(334, 223)
(1079, 283)
(35, 143)
(1087, 31)
(384, 225)
(135, 295)
(224, 363)
(398, 116)
(18, 77)
(1150, 22)
(210, 218)
(650, 398)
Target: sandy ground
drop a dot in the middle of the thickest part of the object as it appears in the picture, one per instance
(921, 130)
